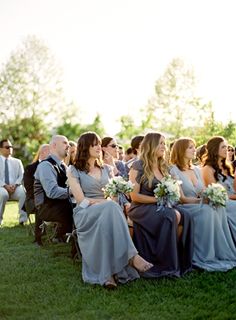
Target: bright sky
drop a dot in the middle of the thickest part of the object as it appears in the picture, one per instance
(113, 51)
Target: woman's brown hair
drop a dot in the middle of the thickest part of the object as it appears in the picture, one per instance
(148, 156)
(211, 157)
(178, 152)
(85, 141)
(233, 155)
(105, 142)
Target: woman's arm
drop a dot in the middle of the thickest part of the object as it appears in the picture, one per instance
(235, 181)
(184, 199)
(233, 196)
(78, 192)
(208, 175)
(108, 159)
(135, 195)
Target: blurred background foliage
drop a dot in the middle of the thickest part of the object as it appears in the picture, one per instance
(33, 105)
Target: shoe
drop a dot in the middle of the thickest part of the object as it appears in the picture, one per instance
(57, 240)
(110, 284)
(23, 218)
(21, 224)
(38, 243)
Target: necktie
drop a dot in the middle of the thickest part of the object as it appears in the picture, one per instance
(6, 172)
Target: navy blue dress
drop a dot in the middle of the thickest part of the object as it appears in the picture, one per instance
(155, 234)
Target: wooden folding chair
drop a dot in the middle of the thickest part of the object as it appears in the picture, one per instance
(75, 250)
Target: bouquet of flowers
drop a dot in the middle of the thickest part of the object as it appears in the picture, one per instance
(216, 194)
(116, 186)
(167, 192)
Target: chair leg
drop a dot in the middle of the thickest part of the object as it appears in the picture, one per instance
(31, 226)
(50, 229)
(75, 249)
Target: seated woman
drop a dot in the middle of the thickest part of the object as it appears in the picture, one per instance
(217, 169)
(108, 253)
(69, 159)
(156, 234)
(234, 183)
(110, 154)
(231, 156)
(213, 249)
(200, 151)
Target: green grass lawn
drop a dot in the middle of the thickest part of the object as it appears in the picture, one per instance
(44, 283)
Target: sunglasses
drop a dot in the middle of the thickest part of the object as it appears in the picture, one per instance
(231, 150)
(8, 147)
(113, 145)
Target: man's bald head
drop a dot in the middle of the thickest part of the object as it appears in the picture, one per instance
(59, 146)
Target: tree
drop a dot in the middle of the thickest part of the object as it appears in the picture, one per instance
(175, 105)
(128, 129)
(31, 82)
(72, 129)
(31, 95)
(27, 134)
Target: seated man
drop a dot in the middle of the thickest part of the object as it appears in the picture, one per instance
(28, 178)
(11, 175)
(50, 191)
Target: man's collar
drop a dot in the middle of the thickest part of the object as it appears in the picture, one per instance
(54, 157)
(5, 157)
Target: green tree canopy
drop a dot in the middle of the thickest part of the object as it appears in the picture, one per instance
(176, 105)
(31, 96)
(72, 128)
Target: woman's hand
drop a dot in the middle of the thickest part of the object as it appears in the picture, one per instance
(96, 201)
(205, 200)
(109, 159)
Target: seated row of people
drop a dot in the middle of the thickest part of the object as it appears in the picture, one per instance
(170, 240)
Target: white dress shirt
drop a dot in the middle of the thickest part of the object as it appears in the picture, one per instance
(16, 170)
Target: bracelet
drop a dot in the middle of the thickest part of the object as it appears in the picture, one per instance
(84, 203)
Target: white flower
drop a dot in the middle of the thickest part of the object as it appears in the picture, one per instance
(117, 185)
(167, 191)
(216, 194)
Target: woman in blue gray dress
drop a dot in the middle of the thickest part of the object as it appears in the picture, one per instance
(217, 169)
(213, 249)
(108, 253)
(110, 154)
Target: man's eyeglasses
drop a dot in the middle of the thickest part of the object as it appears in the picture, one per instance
(113, 145)
(8, 147)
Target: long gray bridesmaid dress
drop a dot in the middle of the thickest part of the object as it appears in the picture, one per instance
(227, 182)
(103, 234)
(213, 249)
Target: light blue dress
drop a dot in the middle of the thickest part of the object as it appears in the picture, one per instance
(227, 182)
(103, 234)
(214, 248)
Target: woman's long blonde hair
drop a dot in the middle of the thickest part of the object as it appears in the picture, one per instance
(149, 158)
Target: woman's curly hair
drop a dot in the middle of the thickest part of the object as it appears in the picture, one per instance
(211, 157)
